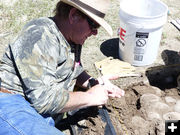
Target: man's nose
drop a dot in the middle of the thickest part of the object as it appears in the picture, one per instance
(94, 32)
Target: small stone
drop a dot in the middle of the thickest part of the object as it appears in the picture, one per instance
(170, 100)
(158, 91)
(171, 116)
(147, 102)
(153, 115)
(82, 122)
(139, 122)
(161, 107)
(158, 107)
(160, 126)
(148, 98)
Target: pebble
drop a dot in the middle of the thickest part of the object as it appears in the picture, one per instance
(146, 99)
(160, 126)
(158, 91)
(170, 100)
(139, 122)
(158, 107)
(161, 107)
(171, 116)
(153, 115)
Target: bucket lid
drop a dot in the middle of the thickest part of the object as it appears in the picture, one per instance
(152, 12)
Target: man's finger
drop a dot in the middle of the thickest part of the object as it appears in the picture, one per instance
(115, 90)
(111, 77)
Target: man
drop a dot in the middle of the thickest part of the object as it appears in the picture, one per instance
(43, 65)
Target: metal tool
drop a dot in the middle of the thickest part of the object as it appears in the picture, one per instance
(109, 128)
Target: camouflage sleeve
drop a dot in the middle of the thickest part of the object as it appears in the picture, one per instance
(36, 53)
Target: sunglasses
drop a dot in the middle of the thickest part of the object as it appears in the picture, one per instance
(92, 24)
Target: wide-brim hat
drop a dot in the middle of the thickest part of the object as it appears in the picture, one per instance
(95, 9)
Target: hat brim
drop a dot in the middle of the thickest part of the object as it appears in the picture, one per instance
(98, 19)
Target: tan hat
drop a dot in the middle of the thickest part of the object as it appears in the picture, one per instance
(95, 9)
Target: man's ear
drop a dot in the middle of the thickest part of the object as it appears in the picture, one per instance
(73, 15)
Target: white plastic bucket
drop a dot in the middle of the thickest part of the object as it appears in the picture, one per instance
(140, 31)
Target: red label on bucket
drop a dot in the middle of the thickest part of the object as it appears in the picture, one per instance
(122, 33)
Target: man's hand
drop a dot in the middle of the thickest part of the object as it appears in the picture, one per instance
(113, 90)
(95, 96)
(104, 90)
(99, 95)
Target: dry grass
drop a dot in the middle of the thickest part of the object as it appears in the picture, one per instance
(13, 17)
(14, 14)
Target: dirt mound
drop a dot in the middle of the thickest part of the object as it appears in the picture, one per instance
(142, 111)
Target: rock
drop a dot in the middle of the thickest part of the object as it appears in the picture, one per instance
(158, 91)
(158, 107)
(145, 88)
(159, 124)
(152, 103)
(177, 106)
(140, 125)
(139, 122)
(170, 100)
(153, 115)
(156, 127)
(148, 98)
(82, 123)
(171, 116)
(161, 107)
(146, 101)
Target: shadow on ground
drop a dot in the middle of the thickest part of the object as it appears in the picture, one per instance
(110, 48)
(71, 121)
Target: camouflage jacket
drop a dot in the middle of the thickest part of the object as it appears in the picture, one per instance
(40, 65)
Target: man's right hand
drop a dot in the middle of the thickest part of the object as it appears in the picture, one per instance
(101, 93)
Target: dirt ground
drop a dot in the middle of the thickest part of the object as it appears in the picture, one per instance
(150, 99)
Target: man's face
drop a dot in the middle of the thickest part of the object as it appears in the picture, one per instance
(83, 28)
